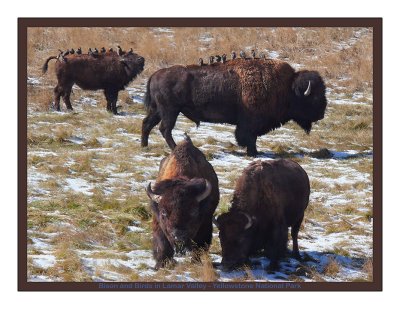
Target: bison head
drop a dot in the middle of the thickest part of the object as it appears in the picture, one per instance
(236, 233)
(133, 64)
(308, 102)
(178, 206)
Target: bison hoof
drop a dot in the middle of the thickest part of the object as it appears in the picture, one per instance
(297, 256)
(273, 267)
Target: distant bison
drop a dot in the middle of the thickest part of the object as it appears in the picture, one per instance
(107, 71)
(255, 95)
(269, 197)
(183, 201)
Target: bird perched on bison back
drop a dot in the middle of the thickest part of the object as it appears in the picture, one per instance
(201, 62)
(183, 201)
(253, 54)
(79, 51)
(120, 51)
(109, 72)
(223, 58)
(103, 50)
(257, 96)
(233, 55)
(269, 197)
(211, 59)
(218, 58)
(72, 51)
(242, 54)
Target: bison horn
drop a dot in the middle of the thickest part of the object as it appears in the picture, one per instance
(214, 220)
(308, 91)
(154, 197)
(250, 221)
(205, 193)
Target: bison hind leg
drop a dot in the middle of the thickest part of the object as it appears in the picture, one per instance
(149, 122)
(294, 233)
(167, 124)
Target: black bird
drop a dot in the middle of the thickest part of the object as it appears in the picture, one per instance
(218, 58)
(253, 54)
(130, 51)
(223, 58)
(262, 56)
(201, 62)
(111, 50)
(233, 55)
(103, 50)
(79, 51)
(120, 52)
(211, 59)
(72, 51)
(96, 52)
(90, 52)
(242, 54)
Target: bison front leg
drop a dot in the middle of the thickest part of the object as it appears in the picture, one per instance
(245, 138)
(279, 245)
(162, 250)
(66, 97)
(111, 97)
(202, 241)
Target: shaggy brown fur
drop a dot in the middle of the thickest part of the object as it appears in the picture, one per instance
(256, 95)
(107, 71)
(180, 221)
(274, 195)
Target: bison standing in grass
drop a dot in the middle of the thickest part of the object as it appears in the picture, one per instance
(107, 71)
(255, 95)
(183, 201)
(269, 197)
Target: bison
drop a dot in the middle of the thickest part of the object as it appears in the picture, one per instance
(269, 197)
(107, 71)
(256, 95)
(183, 201)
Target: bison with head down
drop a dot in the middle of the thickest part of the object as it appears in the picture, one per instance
(255, 95)
(107, 71)
(269, 197)
(183, 201)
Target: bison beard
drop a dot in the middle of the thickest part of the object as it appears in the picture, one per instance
(269, 197)
(107, 71)
(183, 201)
(255, 95)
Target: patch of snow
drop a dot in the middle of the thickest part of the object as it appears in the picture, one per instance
(79, 185)
(43, 261)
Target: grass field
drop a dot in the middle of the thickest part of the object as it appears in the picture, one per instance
(88, 215)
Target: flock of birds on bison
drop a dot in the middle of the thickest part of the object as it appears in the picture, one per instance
(255, 94)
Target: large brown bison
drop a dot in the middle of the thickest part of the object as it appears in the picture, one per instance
(107, 71)
(269, 197)
(183, 201)
(256, 95)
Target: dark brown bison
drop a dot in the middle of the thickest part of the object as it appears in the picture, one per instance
(107, 71)
(255, 95)
(183, 201)
(269, 197)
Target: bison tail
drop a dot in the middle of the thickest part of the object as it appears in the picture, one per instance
(147, 97)
(46, 64)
